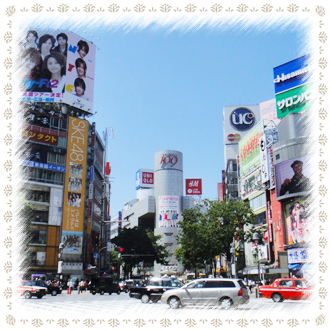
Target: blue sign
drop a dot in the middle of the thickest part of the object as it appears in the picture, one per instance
(292, 74)
(138, 179)
(91, 174)
(242, 119)
(96, 255)
(43, 166)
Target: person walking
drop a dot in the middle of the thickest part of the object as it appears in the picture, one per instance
(70, 286)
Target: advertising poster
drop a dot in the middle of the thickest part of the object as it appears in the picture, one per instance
(49, 68)
(74, 191)
(294, 100)
(268, 111)
(72, 241)
(293, 176)
(80, 73)
(194, 187)
(249, 149)
(251, 184)
(168, 207)
(298, 221)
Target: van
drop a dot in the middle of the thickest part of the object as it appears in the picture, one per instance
(102, 285)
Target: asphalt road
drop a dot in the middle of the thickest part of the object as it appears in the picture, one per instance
(121, 306)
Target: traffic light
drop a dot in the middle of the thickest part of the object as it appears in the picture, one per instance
(121, 249)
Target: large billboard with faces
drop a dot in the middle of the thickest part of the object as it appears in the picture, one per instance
(57, 67)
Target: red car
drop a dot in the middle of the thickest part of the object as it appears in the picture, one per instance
(287, 288)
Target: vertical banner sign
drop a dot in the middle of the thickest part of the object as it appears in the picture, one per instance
(264, 159)
(74, 189)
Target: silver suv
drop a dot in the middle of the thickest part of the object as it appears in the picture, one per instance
(225, 292)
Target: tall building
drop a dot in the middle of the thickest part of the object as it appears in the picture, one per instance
(158, 205)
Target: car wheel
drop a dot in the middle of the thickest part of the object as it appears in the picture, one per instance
(54, 293)
(277, 297)
(126, 290)
(174, 302)
(118, 292)
(27, 295)
(39, 296)
(102, 292)
(145, 298)
(225, 303)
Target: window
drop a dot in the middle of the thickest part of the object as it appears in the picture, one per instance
(301, 284)
(212, 284)
(234, 167)
(61, 141)
(41, 175)
(38, 236)
(258, 202)
(227, 284)
(196, 285)
(155, 283)
(55, 158)
(286, 284)
(39, 196)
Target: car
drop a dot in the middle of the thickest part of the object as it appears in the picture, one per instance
(287, 288)
(102, 285)
(133, 282)
(123, 286)
(153, 288)
(208, 291)
(51, 289)
(29, 290)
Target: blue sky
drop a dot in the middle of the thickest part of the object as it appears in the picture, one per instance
(160, 89)
(166, 91)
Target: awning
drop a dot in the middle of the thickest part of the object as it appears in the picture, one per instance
(253, 271)
(277, 271)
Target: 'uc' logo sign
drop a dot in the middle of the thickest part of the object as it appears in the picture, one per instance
(242, 119)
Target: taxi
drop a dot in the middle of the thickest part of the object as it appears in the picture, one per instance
(287, 288)
(28, 289)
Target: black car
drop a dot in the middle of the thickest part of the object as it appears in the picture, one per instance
(153, 288)
(102, 285)
(52, 289)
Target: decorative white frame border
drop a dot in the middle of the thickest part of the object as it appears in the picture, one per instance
(318, 11)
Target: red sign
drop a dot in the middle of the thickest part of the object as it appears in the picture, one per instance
(233, 137)
(39, 137)
(147, 178)
(193, 186)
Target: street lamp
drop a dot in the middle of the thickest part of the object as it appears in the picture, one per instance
(256, 239)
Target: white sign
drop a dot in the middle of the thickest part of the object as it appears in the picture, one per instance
(72, 266)
(171, 268)
(264, 159)
(90, 191)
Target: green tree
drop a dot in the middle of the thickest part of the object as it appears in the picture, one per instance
(206, 233)
(139, 245)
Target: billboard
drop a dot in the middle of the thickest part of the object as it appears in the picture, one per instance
(57, 67)
(268, 111)
(294, 100)
(251, 184)
(249, 149)
(298, 221)
(144, 179)
(193, 186)
(168, 211)
(238, 120)
(74, 188)
(292, 74)
(292, 176)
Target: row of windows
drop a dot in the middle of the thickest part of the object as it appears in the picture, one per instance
(54, 158)
(38, 196)
(258, 202)
(41, 175)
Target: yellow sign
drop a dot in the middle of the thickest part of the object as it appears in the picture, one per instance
(74, 189)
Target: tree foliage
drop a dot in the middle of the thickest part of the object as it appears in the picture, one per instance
(206, 233)
(139, 245)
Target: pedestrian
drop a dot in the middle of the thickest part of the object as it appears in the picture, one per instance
(70, 286)
(78, 286)
(250, 285)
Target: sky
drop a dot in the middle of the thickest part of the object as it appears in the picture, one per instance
(161, 89)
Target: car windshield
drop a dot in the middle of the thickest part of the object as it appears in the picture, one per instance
(25, 283)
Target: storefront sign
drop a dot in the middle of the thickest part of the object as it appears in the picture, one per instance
(44, 166)
(264, 159)
(242, 119)
(38, 136)
(193, 186)
(297, 255)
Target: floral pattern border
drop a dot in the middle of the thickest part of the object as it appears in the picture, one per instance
(165, 9)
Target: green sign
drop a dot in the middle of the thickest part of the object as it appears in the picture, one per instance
(249, 150)
(294, 100)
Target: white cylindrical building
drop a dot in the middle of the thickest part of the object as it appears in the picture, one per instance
(168, 192)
